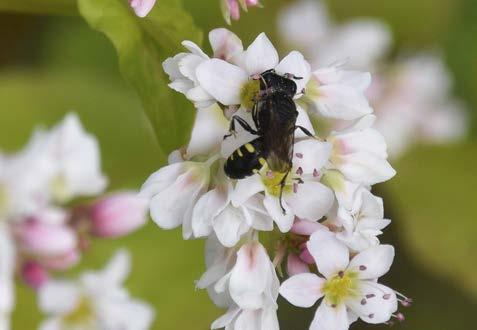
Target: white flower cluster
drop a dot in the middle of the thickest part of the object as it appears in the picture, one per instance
(411, 95)
(318, 217)
(96, 300)
(42, 228)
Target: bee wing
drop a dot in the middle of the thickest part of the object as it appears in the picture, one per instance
(279, 133)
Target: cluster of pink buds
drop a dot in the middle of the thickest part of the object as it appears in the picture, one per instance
(231, 8)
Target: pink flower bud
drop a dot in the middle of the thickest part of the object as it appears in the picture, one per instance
(306, 256)
(306, 227)
(142, 7)
(118, 214)
(45, 239)
(34, 274)
(295, 265)
(63, 262)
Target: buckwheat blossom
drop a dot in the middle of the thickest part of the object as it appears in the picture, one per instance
(348, 288)
(97, 300)
(325, 191)
(142, 7)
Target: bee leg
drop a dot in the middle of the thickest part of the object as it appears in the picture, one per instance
(242, 123)
(282, 186)
(306, 131)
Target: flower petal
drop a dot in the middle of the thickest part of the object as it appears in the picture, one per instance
(330, 318)
(284, 220)
(222, 80)
(375, 304)
(302, 290)
(373, 262)
(310, 200)
(261, 55)
(294, 63)
(248, 278)
(314, 154)
(225, 44)
(330, 254)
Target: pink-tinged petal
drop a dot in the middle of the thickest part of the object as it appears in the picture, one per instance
(34, 274)
(306, 227)
(248, 279)
(365, 168)
(118, 214)
(142, 7)
(373, 262)
(261, 55)
(302, 290)
(45, 240)
(295, 64)
(341, 102)
(375, 304)
(310, 200)
(225, 44)
(331, 255)
(222, 80)
(295, 265)
(330, 318)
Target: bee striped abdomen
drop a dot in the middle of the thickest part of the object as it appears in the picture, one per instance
(245, 160)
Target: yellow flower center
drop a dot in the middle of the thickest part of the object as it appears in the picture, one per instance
(340, 287)
(273, 183)
(83, 315)
(249, 93)
(59, 189)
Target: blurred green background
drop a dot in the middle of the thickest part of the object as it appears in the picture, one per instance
(52, 65)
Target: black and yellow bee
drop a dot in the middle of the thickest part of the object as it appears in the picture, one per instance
(274, 115)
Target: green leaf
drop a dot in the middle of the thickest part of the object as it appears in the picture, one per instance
(142, 45)
(435, 194)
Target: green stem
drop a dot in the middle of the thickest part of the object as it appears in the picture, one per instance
(44, 7)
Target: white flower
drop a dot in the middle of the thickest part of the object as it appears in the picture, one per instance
(349, 288)
(182, 67)
(414, 104)
(338, 93)
(231, 84)
(219, 261)
(359, 152)
(173, 192)
(96, 301)
(252, 286)
(363, 223)
(7, 269)
(214, 211)
(74, 159)
(325, 42)
(303, 195)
